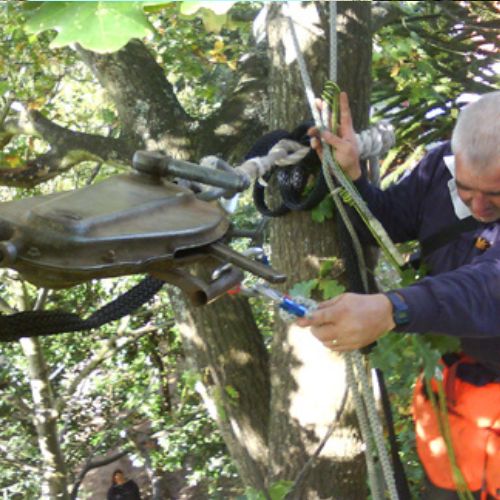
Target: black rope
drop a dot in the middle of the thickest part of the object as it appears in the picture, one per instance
(39, 323)
(294, 181)
(259, 199)
(402, 486)
(261, 148)
(293, 190)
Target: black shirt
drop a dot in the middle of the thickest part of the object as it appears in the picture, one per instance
(125, 491)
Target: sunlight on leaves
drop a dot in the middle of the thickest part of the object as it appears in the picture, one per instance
(75, 22)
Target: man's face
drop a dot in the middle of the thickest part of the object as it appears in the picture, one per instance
(119, 478)
(479, 189)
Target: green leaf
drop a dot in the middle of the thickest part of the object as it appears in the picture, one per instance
(232, 392)
(213, 22)
(107, 115)
(153, 7)
(331, 288)
(325, 267)
(4, 86)
(213, 14)
(97, 26)
(253, 494)
(280, 489)
(303, 288)
(323, 211)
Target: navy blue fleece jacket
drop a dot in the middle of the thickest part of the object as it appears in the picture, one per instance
(461, 296)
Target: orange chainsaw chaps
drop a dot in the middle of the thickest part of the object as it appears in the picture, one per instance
(474, 420)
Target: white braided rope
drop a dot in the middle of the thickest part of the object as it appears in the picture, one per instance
(364, 427)
(376, 140)
(375, 423)
(285, 152)
(333, 42)
(372, 142)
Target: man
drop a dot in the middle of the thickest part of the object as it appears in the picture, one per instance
(123, 488)
(451, 203)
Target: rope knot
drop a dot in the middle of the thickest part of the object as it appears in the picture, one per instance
(376, 140)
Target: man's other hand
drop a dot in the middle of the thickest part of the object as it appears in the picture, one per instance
(344, 144)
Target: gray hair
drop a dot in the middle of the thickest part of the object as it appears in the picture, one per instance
(476, 136)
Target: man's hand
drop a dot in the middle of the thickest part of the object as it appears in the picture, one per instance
(350, 321)
(344, 144)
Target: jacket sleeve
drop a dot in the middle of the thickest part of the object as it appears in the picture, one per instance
(464, 302)
(398, 208)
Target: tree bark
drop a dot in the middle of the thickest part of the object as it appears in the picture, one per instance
(223, 341)
(312, 381)
(46, 417)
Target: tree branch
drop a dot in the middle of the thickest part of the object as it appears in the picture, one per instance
(68, 149)
(146, 102)
(231, 131)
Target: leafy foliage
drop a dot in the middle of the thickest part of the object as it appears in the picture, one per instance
(108, 26)
(323, 211)
(425, 58)
(201, 66)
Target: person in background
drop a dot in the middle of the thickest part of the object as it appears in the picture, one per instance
(123, 488)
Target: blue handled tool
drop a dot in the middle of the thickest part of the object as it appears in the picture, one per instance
(283, 302)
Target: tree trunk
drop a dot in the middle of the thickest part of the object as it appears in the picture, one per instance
(270, 432)
(312, 381)
(46, 416)
(228, 351)
(223, 339)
